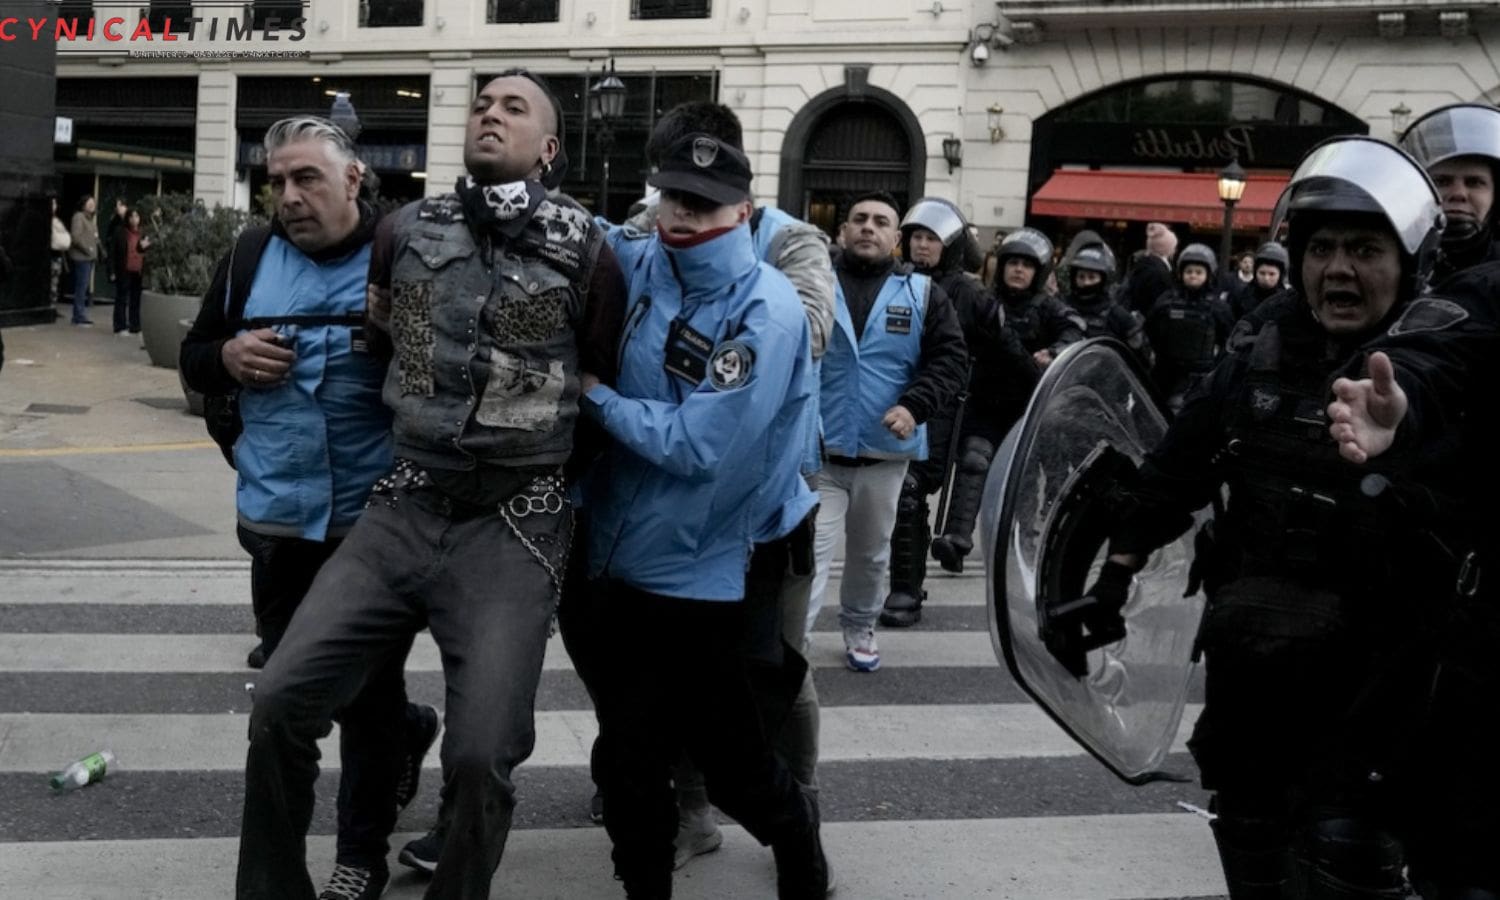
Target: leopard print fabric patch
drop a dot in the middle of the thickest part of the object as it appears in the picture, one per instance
(525, 319)
(411, 329)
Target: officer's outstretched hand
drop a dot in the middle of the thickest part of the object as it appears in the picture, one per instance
(899, 421)
(1366, 412)
(1103, 619)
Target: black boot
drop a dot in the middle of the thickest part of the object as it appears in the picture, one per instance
(1256, 855)
(909, 539)
(957, 539)
(802, 870)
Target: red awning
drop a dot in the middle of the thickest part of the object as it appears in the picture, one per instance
(1155, 197)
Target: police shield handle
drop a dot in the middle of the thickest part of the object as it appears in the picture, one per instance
(256, 359)
(899, 421)
(1366, 412)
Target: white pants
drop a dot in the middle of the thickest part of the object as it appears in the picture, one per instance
(860, 502)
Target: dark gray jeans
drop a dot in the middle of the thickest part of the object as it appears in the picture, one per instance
(485, 584)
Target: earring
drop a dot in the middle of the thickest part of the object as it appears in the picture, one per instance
(546, 169)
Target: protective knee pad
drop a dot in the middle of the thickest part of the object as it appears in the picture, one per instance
(1351, 859)
(912, 500)
(975, 456)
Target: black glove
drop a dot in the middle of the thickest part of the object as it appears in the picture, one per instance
(1102, 619)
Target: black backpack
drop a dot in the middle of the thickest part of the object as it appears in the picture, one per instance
(221, 412)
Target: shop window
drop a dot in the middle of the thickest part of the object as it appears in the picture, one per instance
(169, 15)
(285, 12)
(669, 9)
(389, 13)
(82, 10)
(512, 11)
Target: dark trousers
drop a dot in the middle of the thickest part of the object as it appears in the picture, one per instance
(484, 583)
(678, 682)
(371, 727)
(127, 301)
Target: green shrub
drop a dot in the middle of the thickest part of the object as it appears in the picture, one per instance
(187, 241)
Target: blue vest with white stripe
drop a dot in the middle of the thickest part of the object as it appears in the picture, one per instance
(863, 378)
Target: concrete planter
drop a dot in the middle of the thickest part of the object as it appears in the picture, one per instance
(165, 320)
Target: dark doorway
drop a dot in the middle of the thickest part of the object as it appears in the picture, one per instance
(846, 143)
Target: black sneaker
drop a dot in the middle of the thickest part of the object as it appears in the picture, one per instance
(257, 657)
(355, 883)
(422, 854)
(422, 724)
(596, 808)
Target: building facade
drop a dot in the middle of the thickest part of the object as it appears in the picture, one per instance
(1060, 114)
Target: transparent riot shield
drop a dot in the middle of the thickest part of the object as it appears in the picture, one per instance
(1044, 525)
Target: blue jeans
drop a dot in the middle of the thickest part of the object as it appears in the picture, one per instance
(83, 271)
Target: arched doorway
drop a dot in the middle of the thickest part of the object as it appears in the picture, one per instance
(847, 142)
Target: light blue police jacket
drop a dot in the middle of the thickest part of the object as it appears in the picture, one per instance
(312, 447)
(700, 469)
(863, 378)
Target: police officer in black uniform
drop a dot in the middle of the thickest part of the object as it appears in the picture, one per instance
(935, 240)
(1187, 326)
(1459, 145)
(1089, 270)
(1000, 381)
(1270, 279)
(1305, 577)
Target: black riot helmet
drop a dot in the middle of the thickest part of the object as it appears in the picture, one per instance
(1198, 254)
(943, 219)
(1272, 254)
(1362, 175)
(1087, 252)
(1459, 131)
(1027, 243)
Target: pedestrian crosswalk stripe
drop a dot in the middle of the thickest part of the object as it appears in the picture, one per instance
(29, 742)
(226, 652)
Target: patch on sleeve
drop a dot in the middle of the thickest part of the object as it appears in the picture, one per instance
(1428, 314)
(729, 367)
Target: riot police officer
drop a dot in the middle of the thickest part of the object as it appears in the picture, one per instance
(1089, 272)
(1305, 600)
(1044, 323)
(935, 240)
(1269, 279)
(1000, 380)
(1187, 326)
(1459, 145)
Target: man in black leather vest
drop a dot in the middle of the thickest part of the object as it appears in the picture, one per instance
(500, 298)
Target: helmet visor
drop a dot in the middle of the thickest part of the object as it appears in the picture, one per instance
(1453, 131)
(1359, 174)
(937, 217)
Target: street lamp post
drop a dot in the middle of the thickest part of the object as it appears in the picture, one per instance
(1231, 189)
(607, 104)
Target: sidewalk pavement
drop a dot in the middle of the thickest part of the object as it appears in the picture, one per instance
(98, 455)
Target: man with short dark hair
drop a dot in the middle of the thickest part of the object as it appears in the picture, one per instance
(497, 300)
(896, 358)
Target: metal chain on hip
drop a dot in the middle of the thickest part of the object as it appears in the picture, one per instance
(544, 496)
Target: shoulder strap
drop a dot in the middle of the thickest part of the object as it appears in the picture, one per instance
(244, 259)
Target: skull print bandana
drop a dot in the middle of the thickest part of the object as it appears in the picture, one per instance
(501, 207)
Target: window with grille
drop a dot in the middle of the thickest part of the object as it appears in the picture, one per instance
(165, 13)
(669, 9)
(389, 13)
(512, 11)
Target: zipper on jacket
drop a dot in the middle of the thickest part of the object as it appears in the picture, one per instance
(637, 316)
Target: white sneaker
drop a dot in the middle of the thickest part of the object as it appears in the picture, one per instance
(697, 834)
(860, 650)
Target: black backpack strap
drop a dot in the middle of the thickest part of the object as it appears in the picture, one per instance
(244, 259)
